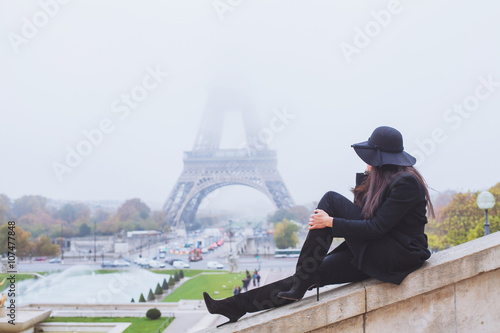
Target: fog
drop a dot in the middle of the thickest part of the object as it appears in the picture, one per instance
(337, 69)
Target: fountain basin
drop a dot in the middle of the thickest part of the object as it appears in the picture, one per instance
(25, 321)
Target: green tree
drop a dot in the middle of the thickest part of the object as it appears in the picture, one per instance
(151, 295)
(171, 281)
(142, 299)
(44, 247)
(84, 230)
(158, 290)
(23, 245)
(461, 220)
(176, 277)
(164, 286)
(285, 234)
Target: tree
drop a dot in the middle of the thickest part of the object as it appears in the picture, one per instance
(132, 215)
(164, 286)
(84, 230)
(151, 296)
(153, 314)
(282, 214)
(158, 290)
(29, 204)
(285, 234)
(101, 215)
(171, 281)
(5, 211)
(44, 247)
(67, 213)
(42, 222)
(23, 244)
(176, 277)
(133, 208)
(461, 220)
(142, 299)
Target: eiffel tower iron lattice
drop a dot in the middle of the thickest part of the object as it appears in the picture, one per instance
(207, 167)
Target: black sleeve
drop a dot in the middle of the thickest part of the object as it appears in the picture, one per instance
(404, 194)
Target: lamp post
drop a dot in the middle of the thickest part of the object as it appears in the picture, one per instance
(230, 239)
(486, 200)
(62, 243)
(95, 252)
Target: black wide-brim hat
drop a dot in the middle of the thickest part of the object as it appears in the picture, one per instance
(385, 146)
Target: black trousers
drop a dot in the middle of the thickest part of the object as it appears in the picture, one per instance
(336, 266)
(332, 268)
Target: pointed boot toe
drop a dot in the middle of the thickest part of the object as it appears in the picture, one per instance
(226, 307)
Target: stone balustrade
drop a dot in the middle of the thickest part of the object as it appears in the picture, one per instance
(457, 290)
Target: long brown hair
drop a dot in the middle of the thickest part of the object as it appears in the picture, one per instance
(368, 195)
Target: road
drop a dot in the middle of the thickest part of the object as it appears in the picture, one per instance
(220, 255)
(244, 263)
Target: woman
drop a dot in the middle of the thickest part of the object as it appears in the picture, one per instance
(383, 231)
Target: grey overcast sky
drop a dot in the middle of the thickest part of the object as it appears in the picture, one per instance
(337, 68)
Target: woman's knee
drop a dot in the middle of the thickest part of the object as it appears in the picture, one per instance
(327, 202)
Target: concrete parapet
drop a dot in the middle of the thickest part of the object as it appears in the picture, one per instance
(457, 290)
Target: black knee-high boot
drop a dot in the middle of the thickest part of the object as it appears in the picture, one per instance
(258, 299)
(313, 252)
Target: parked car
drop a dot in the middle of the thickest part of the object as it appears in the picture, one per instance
(143, 262)
(171, 261)
(39, 259)
(180, 264)
(214, 265)
(55, 261)
(107, 264)
(121, 263)
(156, 264)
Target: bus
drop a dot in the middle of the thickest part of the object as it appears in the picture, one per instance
(286, 253)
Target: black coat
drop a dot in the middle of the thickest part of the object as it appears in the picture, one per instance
(392, 244)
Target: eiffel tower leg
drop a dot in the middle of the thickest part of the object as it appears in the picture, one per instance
(174, 202)
(279, 193)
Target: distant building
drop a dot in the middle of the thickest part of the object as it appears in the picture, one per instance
(143, 233)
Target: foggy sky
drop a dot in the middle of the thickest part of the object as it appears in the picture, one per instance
(339, 68)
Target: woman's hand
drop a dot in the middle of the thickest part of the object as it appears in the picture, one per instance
(320, 219)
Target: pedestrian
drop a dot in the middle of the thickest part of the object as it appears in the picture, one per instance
(246, 282)
(235, 291)
(254, 278)
(258, 280)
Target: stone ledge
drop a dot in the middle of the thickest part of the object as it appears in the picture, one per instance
(348, 304)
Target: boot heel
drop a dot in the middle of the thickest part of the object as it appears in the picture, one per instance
(227, 322)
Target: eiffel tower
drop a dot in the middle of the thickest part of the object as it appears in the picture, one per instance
(207, 167)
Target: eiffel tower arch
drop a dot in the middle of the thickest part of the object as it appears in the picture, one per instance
(207, 167)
